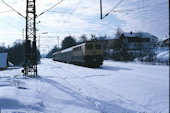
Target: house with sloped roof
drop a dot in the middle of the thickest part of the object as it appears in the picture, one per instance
(140, 37)
(140, 41)
(166, 42)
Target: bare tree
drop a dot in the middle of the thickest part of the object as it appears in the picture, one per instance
(140, 35)
(93, 37)
(83, 38)
(118, 33)
(103, 41)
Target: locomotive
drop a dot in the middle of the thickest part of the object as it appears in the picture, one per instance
(89, 54)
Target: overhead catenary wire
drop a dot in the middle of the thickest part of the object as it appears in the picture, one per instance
(60, 12)
(30, 31)
(51, 38)
(77, 6)
(6, 11)
(13, 9)
(12, 25)
(130, 10)
(110, 10)
(141, 4)
(49, 8)
(69, 12)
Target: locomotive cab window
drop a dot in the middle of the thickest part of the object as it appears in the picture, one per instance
(89, 46)
(98, 46)
(77, 48)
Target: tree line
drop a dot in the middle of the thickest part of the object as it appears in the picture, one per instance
(16, 53)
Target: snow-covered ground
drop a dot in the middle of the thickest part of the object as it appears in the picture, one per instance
(162, 55)
(116, 87)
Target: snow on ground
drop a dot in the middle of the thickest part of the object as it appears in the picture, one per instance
(116, 87)
(162, 55)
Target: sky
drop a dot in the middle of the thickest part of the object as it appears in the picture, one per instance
(77, 17)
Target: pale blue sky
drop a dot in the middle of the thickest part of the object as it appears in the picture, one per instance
(138, 15)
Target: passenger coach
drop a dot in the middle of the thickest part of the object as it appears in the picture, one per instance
(88, 54)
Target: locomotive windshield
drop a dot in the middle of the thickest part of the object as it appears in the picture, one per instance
(89, 46)
(98, 46)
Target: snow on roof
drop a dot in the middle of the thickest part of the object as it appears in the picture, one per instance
(3, 60)
(129, 34)
(142, 35)
(167, 40)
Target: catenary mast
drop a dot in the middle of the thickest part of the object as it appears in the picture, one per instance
(30, 65)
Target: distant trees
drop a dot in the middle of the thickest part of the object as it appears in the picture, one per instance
(119, 31)
(120, 50)
(2, 48)
(83, 38)
(119, 47)
(16, 53)
(68, 42)
(93, 37)
(50, 54)
(103, 41)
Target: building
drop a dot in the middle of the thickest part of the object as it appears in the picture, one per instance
(4, 63)
(132, 45)
(166, 42)
(140, 41)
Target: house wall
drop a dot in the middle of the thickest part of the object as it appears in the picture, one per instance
(3, 60)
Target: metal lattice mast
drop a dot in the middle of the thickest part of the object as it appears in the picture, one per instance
(30, 67)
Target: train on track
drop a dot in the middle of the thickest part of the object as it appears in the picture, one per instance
(88, 54)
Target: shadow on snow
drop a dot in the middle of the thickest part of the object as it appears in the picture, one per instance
(111, 68)
(7, 103)
(85, 101)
